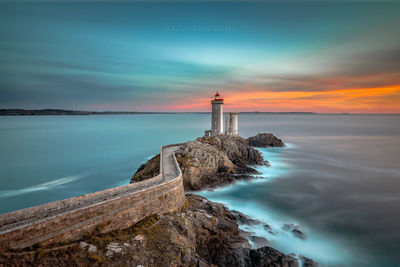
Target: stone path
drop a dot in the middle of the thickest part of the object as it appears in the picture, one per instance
(170, 171)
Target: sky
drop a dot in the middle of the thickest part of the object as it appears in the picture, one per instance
(318, 56)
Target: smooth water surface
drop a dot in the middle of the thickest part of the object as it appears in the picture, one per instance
(338, 178)
(47, 158)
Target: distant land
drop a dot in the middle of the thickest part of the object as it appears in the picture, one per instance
(34, 112)
(27, 112)
(50, 112)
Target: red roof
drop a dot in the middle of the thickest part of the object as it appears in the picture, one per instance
(216, 94)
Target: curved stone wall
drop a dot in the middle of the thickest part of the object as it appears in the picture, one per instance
(114, 208)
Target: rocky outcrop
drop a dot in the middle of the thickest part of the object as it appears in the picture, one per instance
(308, 262)
(209, 162)
(265, 140)
(147, 170)
(204, 165)
(202, 233)
(236, 148)
(244, 219)
(267, 256)
(295, 230)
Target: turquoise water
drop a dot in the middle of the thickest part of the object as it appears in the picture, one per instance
(49, 158)
(338, 178)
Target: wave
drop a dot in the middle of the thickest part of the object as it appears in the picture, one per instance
(39, 187)
(322, 248)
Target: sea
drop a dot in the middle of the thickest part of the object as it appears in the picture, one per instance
(337, 179)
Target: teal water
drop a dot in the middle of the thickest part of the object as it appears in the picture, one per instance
(49, 158)
(338, 178)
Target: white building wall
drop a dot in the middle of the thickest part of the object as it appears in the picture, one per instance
(227, 123)
(231, 123)
(234, 123)
(216, 117)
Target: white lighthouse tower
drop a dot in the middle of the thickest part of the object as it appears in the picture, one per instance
(217, 115)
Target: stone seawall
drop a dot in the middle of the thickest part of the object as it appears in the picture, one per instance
(114, 208)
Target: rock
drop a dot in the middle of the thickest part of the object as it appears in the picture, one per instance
(265, 140)
(288, 226)
(236, 148)
(267, 256)
(109, 254)
(295, 230)
(114, 248)
(147, 170)
(247, 234)
(259, 241)
(139, 238)
(244, 219)
(203, 165)
(209, 162)
(83, 245)
(202, 233)
(299, 234)
(268, 228)
(92, 249)
(307, 262)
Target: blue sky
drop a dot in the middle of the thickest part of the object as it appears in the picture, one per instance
(159, 55)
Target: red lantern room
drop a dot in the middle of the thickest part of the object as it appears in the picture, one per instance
(217, 97)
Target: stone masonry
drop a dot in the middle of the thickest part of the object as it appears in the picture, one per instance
(115, 208)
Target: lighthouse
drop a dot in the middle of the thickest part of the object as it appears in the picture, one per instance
(217, 115)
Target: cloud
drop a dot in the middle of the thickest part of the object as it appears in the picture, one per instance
(118, 56)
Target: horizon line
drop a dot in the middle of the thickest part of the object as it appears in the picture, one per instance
(121, 112)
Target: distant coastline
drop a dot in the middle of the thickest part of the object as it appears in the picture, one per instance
(51, 112)
(39, 112)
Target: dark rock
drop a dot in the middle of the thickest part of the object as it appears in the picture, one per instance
(147, 170)
(299, 233)
(265, 140)
(246, 233)
(267, 256)
(288, 226)
(244, 219)
(258, 241)
(307, 262)
(268, 228)
(295, 230)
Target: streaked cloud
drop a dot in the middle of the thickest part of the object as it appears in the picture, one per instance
(321, 57)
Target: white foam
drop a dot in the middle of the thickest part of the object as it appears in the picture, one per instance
(323, 249)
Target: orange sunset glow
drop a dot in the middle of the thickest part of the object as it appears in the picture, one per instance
(353, 100)
(341, 59)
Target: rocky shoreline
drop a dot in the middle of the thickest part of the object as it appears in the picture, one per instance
(210, 162)
(201, 233)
